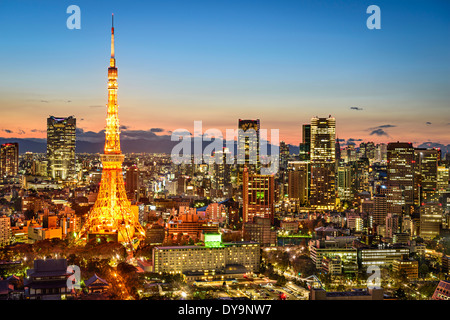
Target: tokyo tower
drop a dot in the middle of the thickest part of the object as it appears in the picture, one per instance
(112, 217)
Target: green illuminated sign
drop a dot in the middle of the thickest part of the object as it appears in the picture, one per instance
(213, 240)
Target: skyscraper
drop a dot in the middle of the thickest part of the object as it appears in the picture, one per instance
(284, 155)
(323, 165)
(9, 159)
(344, 181)
(430, 220)
(132, 182)
(298, 181)
(305, 145)
(222, 171)
(248, 144)
(61, 147)
(112, 217)
(400, 177)
(323, 139)
(379, 209)
(426, 175)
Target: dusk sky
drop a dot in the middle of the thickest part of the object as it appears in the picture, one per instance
(217, 61)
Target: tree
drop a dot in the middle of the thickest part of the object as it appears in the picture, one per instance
(423, 270)
(281, 281)
(400, 294)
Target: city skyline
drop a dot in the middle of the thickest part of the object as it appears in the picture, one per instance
(190, 197)
(221, 63)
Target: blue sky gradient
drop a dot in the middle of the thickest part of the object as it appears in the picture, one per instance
(218, 61)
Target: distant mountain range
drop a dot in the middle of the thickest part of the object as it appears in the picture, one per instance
(160, 145)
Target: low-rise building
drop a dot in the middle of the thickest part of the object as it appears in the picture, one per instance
(214, 259)
(47, 280)
(411, 267)
(348, 255)
(442, 291)
(381, 256)
(356, 294)
(260, 230)
(332, 265)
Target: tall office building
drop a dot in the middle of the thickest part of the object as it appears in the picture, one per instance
(305, 145)
(443, 177)
(9, 159)
(323, 139)
(367, 150)
(426, 175)
(323, 165)
(430, 220)
(392, 225)
(132, 182)
(222, 171)
(345, 179)
(248, 144)
(284, 155)
(258, 195)
(298, 181)
(61, 147)
(400, 177)
(338, 151)
(381, 152)
(361, 176)
(379, 209)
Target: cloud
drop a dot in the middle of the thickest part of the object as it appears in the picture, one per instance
(123, 127)
(379, 132)
(156, 130)
(384, 126)
(428, 123)
(356, 108)
(125, 134)
(7, 130)
(352, 141)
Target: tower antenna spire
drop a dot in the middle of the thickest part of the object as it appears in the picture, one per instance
(112, 62)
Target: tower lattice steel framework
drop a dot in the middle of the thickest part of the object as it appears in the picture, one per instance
(112, 216)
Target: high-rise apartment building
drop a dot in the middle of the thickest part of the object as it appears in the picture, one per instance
(5, 230)
(61, 147)
(9, 159)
